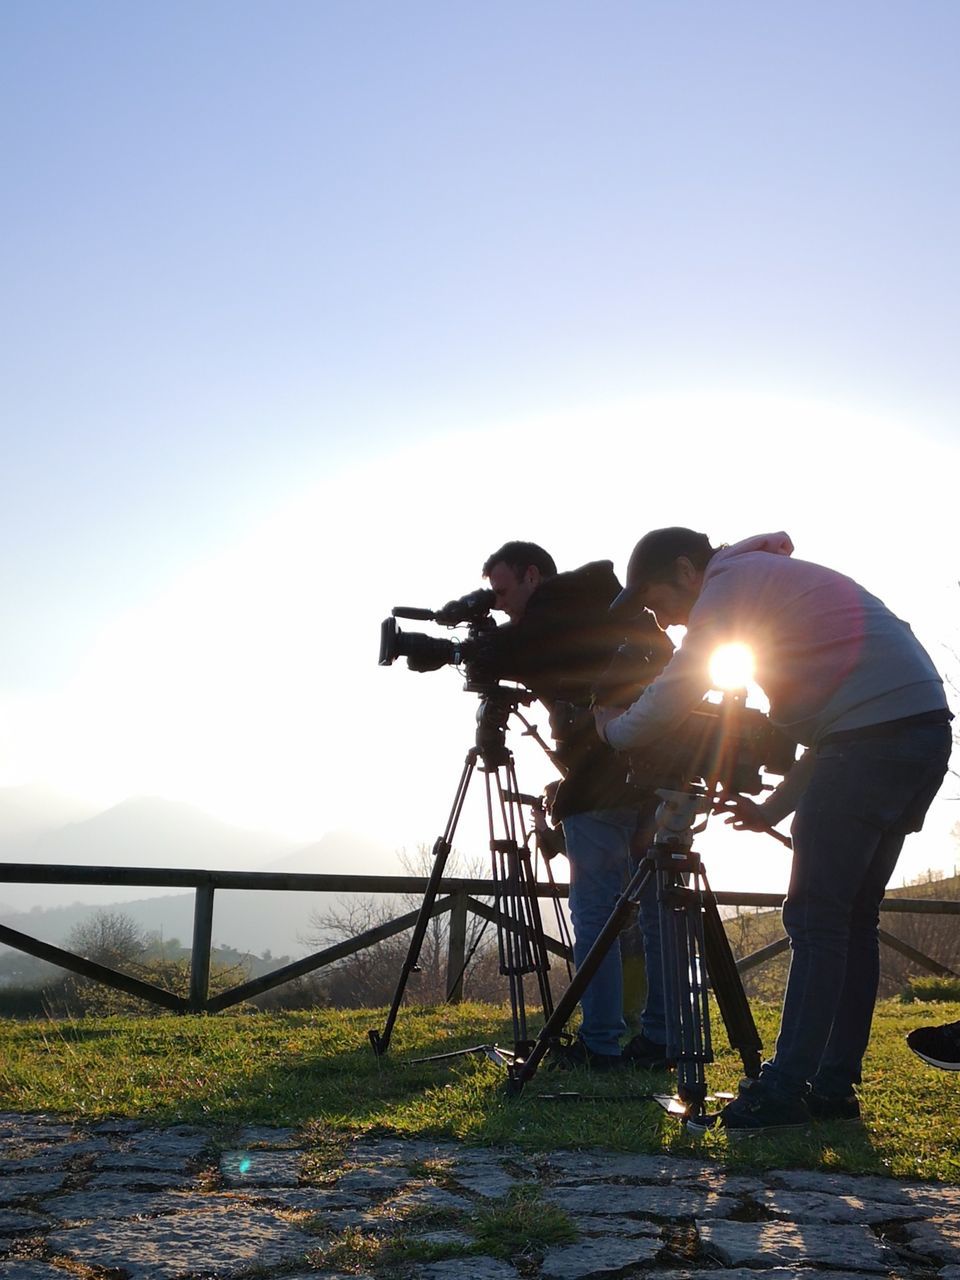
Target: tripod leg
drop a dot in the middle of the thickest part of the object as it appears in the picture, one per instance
(521, 1072)
(682, 946)
(728, 989)
(380, 1040)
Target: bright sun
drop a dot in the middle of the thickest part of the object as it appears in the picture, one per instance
(731, 666)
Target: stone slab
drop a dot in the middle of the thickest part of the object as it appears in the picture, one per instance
(375, 1181)
(767, 1273)
(259, 1168)
(820, 1206)
(429, 1199)
(218, 1243)
(938, 1201)
(149, 1179)
(153, 1161)
(27, 1269)
(304, 1199)
(939, 1238)
(596, 1226)
(598, 1257)
(761, 1244)
(842, 1184)
(479, 1269)
(19, 1222)
(668, 1203)
(593, 1166)
(29, 1185)
(81, 1206)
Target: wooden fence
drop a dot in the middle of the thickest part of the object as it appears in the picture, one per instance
(459, 897)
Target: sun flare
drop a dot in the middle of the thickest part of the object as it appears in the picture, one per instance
(732, 666)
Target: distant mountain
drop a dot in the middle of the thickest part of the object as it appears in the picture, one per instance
(28, 812)
(141, 832)
(148, 831)
(341, 852)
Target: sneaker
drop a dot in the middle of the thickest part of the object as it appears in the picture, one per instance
(822, 1107)
(643, 1054)
(574, 1054)
(940, 1046)
(757, 1109)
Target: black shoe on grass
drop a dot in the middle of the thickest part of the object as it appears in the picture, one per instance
(822, 1107)
(575, 1054)
(643, 1054)
(939, 1046)
(757, 1109)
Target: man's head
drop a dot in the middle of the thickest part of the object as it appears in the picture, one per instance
(665, 575)
(514, 573)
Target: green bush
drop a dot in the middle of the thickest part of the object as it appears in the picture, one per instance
(931, 987)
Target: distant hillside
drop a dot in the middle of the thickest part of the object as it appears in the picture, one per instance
(249, 922)
(947, 889)
(29, 812)
(936, 936)
(141, 832)
(245, 919)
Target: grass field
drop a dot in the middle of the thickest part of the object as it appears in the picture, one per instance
(317, 1070)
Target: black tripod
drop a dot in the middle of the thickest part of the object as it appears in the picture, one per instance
(696, 953)
(520, 935)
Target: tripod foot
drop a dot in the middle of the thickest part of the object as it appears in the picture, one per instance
(379, 1047)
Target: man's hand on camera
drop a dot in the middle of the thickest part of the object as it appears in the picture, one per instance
(742, 813)
(427, 661)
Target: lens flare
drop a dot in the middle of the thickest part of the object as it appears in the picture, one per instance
(731, 666)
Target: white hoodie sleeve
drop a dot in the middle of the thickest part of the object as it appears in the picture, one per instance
(676, 692)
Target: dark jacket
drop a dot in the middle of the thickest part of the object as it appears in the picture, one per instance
(565, 650)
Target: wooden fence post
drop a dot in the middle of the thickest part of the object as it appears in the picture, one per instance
(456, 948)
(200, 956)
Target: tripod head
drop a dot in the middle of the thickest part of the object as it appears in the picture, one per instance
(498, 702)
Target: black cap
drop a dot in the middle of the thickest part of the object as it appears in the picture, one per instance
(652, 559)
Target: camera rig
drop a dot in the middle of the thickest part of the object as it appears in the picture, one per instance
(720, 745)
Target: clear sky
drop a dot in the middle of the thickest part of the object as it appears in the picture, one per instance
(308, 306)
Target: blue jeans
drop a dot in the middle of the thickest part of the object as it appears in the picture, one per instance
(863, 798)
(599, 852)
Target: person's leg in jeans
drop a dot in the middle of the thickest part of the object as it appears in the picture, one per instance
(596, 857)
(840, 1064)
(848, 830)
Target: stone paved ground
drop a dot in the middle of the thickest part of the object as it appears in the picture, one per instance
(115, 1199)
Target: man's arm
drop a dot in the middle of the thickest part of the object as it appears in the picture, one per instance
(745, 814)
(676, 692)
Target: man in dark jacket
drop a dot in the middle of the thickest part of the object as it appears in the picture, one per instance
(559, 642)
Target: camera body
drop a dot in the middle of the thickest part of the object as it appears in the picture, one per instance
(429, 653)
(721, 743)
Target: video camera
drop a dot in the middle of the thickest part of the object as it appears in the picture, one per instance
(429, 653)
(725, 743)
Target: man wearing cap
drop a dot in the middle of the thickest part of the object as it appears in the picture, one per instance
(850, 681)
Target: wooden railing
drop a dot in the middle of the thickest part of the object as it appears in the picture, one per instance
(457, 896)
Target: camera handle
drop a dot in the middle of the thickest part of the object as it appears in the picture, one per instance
(695, 950)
